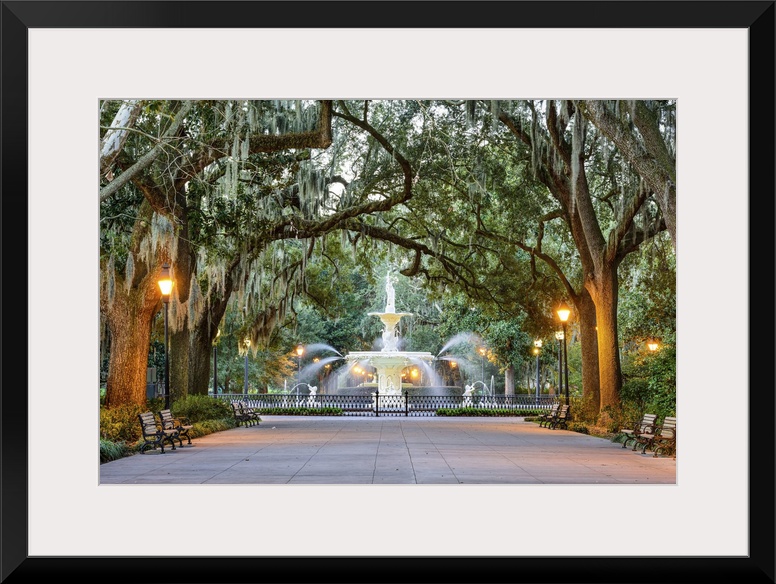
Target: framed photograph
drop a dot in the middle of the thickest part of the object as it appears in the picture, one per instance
(59, 58)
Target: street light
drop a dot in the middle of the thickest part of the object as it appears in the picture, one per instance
(245, 382)
(652, 344)
(559, 335)
(165, 285)
(300, 352)
(482, 352)
(537, 350)
(563, 314)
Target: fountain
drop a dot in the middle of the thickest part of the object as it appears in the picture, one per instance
(390, 361)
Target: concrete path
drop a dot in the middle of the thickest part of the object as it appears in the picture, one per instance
(393, 450)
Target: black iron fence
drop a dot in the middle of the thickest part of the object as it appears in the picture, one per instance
(393, 404)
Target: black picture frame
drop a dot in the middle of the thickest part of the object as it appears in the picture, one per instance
(758, 17)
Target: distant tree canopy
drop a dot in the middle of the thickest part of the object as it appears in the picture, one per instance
(278, 218)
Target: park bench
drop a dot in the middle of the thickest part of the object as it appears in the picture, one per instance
(250, 409)
(154, 434)
(562, 418)
(645, 437)
(664, 439)
(179, 423)
(549, 416)
(646, 423)
(243, 414)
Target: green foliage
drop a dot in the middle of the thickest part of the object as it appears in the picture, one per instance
(112, 450)
(662, 382)
(635, 392)
(154, 405)
(206, 427)
(583, 410)
(120, 424)
(649, 384)
(579, 427)
(479, 412)
(327, 411)
(201, 407)
(626, 415)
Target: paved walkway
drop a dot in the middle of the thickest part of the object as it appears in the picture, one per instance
(398, 450)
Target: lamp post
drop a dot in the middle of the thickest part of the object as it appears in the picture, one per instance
(165, 285)
(537, 350)
(247, 348)
(482, 360)
(299, 352)
(559, 335)
(652, 344)
(215, 363)
(563, 314)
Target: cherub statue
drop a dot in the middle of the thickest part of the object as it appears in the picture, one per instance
(467, 396)
(389, 340)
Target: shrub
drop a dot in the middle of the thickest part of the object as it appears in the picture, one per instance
(579, 427)
(583, 409)
(120, 424)
(327, 411)
(479, 412)
(112, 450)
(198, 408)
(614, 419)
(210, 426)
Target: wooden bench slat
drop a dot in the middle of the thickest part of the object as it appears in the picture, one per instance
(175, 425)
(152, 433)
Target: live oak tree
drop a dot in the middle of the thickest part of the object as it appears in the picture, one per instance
(161, 154)
(239, 193)
(608, 210)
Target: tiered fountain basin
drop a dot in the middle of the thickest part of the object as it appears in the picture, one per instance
(389, 366)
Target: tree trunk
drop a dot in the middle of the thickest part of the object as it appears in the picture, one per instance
(130, 318)
(180, 341)
(130, 314)
(604, 290)
(509, 380)
(200, 355)
(591, 384)
(115, 138)
(204, 334)
(179, 363)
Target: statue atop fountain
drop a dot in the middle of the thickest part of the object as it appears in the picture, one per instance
(390, 295)
(390, 318)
